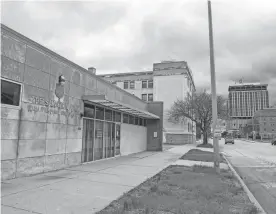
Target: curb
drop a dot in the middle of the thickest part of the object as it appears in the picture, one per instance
(248, 192)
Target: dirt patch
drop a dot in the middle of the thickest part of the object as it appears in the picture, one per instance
(199, 155)
(190, 190)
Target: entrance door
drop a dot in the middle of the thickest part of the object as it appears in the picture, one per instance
(113, 138)
(117, 141)
(98, 146)
(108, 140)
(88, 140)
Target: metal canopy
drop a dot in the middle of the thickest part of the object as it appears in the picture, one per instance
(102, 100)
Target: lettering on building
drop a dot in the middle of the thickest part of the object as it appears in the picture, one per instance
(51, 107)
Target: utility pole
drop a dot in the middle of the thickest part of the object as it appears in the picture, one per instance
(214, 93)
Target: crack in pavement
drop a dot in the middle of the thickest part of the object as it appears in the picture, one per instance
(30, 211)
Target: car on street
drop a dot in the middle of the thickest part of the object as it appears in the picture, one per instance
(273, 142)
(229, 139)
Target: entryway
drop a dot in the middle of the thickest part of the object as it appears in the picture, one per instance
(101, 139)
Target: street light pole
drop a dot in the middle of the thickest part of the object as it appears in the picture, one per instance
(214, 93)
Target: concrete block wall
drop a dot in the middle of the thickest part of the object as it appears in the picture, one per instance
(133, 139)
(39, 136)
(179, 138)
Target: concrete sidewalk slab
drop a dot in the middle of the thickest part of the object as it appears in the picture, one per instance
(86, 188)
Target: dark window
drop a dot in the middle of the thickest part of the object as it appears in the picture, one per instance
(10, 93)
(132, 84)
(145, 122)
(150, 84)
(108, 115)
(131, 120)
(144, 97)
(99, 113)
(125, 118)
(140, 121)
(136, 121)
(125, 84)
(144, 84)
(118, 117)
(113, 116)
(150, 97)
(89, 110)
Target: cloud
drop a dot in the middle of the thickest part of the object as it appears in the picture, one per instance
(125, 36)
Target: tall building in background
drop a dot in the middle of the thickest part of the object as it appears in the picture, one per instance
(167, 82)
(244, 99)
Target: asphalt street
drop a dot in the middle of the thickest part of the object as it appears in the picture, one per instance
(256, 164)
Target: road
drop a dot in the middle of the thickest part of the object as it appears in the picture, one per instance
(256, 164)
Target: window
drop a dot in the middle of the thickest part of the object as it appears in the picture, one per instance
(99, 113)
(136, 121)
(89, 110)
(140, 121)
(150, 84)
(145, 122)
(108, 115)
(144, 97)
(125, 84)
(131, 120)
(117, 116)
(125, 118)
(150, 97)
(144, 84)
(132, 84)
(10, 93)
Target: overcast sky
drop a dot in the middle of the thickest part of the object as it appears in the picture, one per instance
(128, 36)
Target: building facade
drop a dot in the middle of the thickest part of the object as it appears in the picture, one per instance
(266, 122)
(56, 114)
(167, 82)
(243, 101)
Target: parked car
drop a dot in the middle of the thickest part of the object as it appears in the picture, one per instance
(273, 142)
(229, 139)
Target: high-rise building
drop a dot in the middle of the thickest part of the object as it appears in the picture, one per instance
(167, 82)
(244, 100)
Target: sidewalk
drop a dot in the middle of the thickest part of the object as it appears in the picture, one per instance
(256, 141)
(86, 188)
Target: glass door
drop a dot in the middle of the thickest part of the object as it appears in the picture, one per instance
(98, 146)
(107, 140)
(118, 137)
(113, 139)
(88, 140)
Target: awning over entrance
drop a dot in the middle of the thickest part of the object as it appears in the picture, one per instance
(102, 100)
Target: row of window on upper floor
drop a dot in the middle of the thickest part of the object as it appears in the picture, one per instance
(147, 97)
(101, 113)
(131, 84)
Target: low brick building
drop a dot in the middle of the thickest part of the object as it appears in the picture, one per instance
(56, 114)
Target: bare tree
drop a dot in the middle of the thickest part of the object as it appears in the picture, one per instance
(198, 108)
